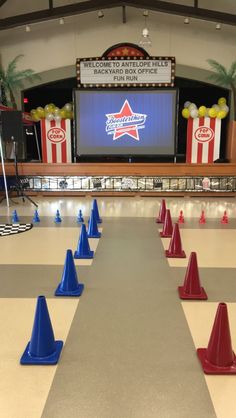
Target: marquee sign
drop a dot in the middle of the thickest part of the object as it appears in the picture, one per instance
(126, 72)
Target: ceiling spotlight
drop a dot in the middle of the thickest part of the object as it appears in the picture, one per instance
(27, 28)
(145, 13)
(186, 21)
(218, 26)
(100, 14)
(62, 21)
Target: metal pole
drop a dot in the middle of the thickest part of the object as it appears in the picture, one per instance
(3, 171)
(37, 142)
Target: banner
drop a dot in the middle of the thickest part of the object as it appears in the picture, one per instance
(203, 140)
(56, 141)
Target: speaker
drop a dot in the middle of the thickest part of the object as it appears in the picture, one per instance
(12, 131)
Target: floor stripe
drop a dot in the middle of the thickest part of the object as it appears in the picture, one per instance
(126, 354)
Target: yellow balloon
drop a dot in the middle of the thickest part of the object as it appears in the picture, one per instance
(56, 111)
(185, 113)
(52, 106)
(221, 114)
(202, 111)
(62, 113)
(40, 112)
(33, 111)
(47, 108)
(212, 112)
(222, 100)
(68, 114)
(35, 118)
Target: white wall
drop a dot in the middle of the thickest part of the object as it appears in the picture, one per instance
(50, 46)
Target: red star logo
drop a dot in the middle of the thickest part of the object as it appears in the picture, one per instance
(127, 130)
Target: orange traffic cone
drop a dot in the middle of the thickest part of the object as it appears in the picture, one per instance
(192, 288)
(167, 226)
(162, 213)
(181, 217)
(175, 247)
(218, 357)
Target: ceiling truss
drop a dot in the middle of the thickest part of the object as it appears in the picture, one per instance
(94, 5)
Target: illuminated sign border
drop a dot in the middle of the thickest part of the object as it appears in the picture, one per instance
(131, 84)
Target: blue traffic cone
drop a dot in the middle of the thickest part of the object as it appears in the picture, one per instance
(36, 217)
(57, 218)
(15, 217)
(69, 285)
(83, 249)
(93, 228)
(95, 208)
(80, 218)
(42, 348)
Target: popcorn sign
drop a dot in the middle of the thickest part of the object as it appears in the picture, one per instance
(203, 140)
(56, 135)
(56, 141)
(204, 134)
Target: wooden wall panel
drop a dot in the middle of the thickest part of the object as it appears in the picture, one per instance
(121, 169)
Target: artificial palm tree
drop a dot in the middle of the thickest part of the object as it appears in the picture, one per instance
(224, 77)
(11, 80)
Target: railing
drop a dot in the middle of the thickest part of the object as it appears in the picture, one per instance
(127, 183)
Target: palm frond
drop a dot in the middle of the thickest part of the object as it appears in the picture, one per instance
(217, 67)
(20, 75)
(13, 64)
(220, 79)
(15, 85)
(2, 75)
(12, 80)
(221, 75)
(232, 70)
